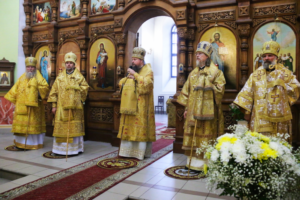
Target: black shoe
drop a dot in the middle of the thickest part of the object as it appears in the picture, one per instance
(196, 171)
(192, 170)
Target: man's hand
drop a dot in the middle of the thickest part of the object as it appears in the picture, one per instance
(53, 110)
(131, 77)
(131, 71)
(184, 114)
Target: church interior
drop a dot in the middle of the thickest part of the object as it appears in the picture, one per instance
(169, 31)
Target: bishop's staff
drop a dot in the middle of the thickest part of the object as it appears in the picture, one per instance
(27, 126)
(192, 147)
(69, 119)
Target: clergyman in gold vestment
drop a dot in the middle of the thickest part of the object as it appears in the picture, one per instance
(268, 95)
(27, 94)
(68, 92)
(137, 123)
(202, 96)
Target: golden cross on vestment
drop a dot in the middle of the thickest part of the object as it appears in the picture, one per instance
(259, 74)
(274, 97)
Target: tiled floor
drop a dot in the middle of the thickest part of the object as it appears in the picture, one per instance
(149, 183)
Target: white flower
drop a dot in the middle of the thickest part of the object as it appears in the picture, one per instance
(288, 160)
(240, 130)
(241, 157)
(214, 155)
(297, 170)
(238, 147)
(276, 147)
(285, 149)
(226, 146)
(225, 156)
(255, 149)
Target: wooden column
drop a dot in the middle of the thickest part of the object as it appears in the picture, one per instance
(244, 32)
(121, 4)
(181, 78)
(27, 34)
(121, 39)
(53, 40)
(121, 42)
(83, 38)
(191, 38)
(84, 10)
(182, 35)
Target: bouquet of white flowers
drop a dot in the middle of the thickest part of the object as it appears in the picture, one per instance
(249, 164)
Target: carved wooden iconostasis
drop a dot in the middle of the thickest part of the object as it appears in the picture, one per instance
(103, 34)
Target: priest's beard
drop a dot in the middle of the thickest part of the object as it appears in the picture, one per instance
(136, 68)
(267, 63)
(200, 63)
(30, 75)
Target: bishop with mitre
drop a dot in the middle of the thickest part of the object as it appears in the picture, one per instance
(67, 95)
(29, 123)
(268, 95)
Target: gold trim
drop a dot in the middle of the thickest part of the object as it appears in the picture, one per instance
(6, 126)
(63, 139)
(276, 119)
(30, 147)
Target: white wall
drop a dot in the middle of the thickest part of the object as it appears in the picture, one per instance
(155, 37)
(21, 56)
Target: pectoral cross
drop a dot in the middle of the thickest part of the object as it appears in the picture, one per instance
(274, 97)
(259, 74)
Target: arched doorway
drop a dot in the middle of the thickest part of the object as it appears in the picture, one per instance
(151, 29)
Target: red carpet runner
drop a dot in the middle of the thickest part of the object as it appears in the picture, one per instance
(79, 181)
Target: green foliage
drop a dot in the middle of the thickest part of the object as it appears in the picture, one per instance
(236, 113)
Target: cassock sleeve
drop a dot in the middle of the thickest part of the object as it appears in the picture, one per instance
(219, 87)
(292, 88)
(184, 94)
(43, 87)
(144, 83)
(122, 82)
(12, 93)
(245, 97)
(84, 88)
(53, 94)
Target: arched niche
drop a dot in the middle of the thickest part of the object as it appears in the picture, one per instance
(281, 33)
(104, 61)
(224, 53)
(136, 19)
(67, 47)
(43, 56)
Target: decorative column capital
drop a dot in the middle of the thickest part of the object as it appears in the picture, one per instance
(182, 32)
(244, 30)
(121, 38)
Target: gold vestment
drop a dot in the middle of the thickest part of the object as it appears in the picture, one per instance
(24, 94)
(202, 96)
(69, 91)
(171, 110)
(269, 96)
(141, 126)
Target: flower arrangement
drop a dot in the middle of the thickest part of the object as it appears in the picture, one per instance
(236, 112)
(250, 165)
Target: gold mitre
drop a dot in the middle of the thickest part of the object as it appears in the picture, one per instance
(271, 47)
(204, 47)
(30, 61)
(138, 52)
(70, 57)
